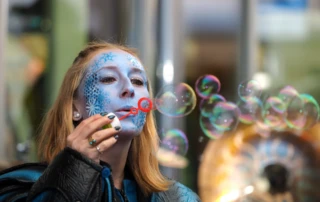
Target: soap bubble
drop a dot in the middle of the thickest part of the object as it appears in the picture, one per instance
(225, 116)
(176, 100)
(207, 85)
(273, 112)
(175, 141)
(207, 105)
(295, 116)
(287, 93)
(209, 129)
(311, 110)
(249, 88)
(250, 109)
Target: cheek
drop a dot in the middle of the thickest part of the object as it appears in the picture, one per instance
(140, 120)
(96, 99)
(103, 101)
(143, 93)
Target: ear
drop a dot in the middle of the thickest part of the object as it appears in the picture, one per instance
(76, 113)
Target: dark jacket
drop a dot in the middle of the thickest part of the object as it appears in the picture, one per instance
(73, 177)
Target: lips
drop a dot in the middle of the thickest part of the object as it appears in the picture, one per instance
(125, 110)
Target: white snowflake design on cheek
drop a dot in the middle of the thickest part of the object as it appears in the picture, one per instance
(95, 98)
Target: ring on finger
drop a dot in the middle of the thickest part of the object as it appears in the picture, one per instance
(92, 141)
(98, 149)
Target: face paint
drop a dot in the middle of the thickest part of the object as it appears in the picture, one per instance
(114, 82)
(134, 62)
(95, 99)
(139, 120)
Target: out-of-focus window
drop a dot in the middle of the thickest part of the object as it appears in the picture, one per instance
(26, 62)
(43, 38)
(289, 43)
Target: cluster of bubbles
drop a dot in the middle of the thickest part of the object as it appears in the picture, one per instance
(217, 115)
(289, 109)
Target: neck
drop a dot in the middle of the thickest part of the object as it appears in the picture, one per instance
(116, 157)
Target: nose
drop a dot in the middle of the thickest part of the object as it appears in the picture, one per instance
(127, 90)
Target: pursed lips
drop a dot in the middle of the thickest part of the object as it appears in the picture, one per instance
(126, 108)
(123, 111)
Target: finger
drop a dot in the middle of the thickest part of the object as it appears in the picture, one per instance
(110, 120)
(80, 128)
(83, 123)
(101, 135)
(93, 153)
(106, 144)
(111, 129)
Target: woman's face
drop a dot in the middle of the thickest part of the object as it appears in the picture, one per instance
(114, 82)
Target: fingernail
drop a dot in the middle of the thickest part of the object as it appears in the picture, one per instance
(111, 116)
(116, 137)
(103, 113)
(115, 121)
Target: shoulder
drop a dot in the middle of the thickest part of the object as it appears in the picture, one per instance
(16, 181)
(26, 172)
(177, 192)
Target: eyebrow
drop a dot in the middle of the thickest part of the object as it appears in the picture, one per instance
(106, 67)
(109, 67)
(137, 70)
(132, 70)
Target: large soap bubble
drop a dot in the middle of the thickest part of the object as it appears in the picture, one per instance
(176, 100)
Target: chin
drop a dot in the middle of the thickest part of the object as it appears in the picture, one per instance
(132, 126)
(130, 131)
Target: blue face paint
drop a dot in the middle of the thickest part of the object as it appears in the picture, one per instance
(139, 120)
(95, 99)
(133, 61)
(114, 82)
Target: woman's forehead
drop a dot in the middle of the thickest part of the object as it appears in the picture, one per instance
(113, 57)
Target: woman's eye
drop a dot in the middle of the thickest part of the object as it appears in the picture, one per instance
(107, 80)
(137, 82)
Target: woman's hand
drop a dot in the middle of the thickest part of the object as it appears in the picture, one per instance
(90, 139)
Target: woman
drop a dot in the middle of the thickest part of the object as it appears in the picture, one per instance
(91, 155)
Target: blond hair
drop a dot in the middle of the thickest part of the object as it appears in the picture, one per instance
(58, 124)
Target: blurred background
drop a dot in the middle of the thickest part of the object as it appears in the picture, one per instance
(274, 42)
